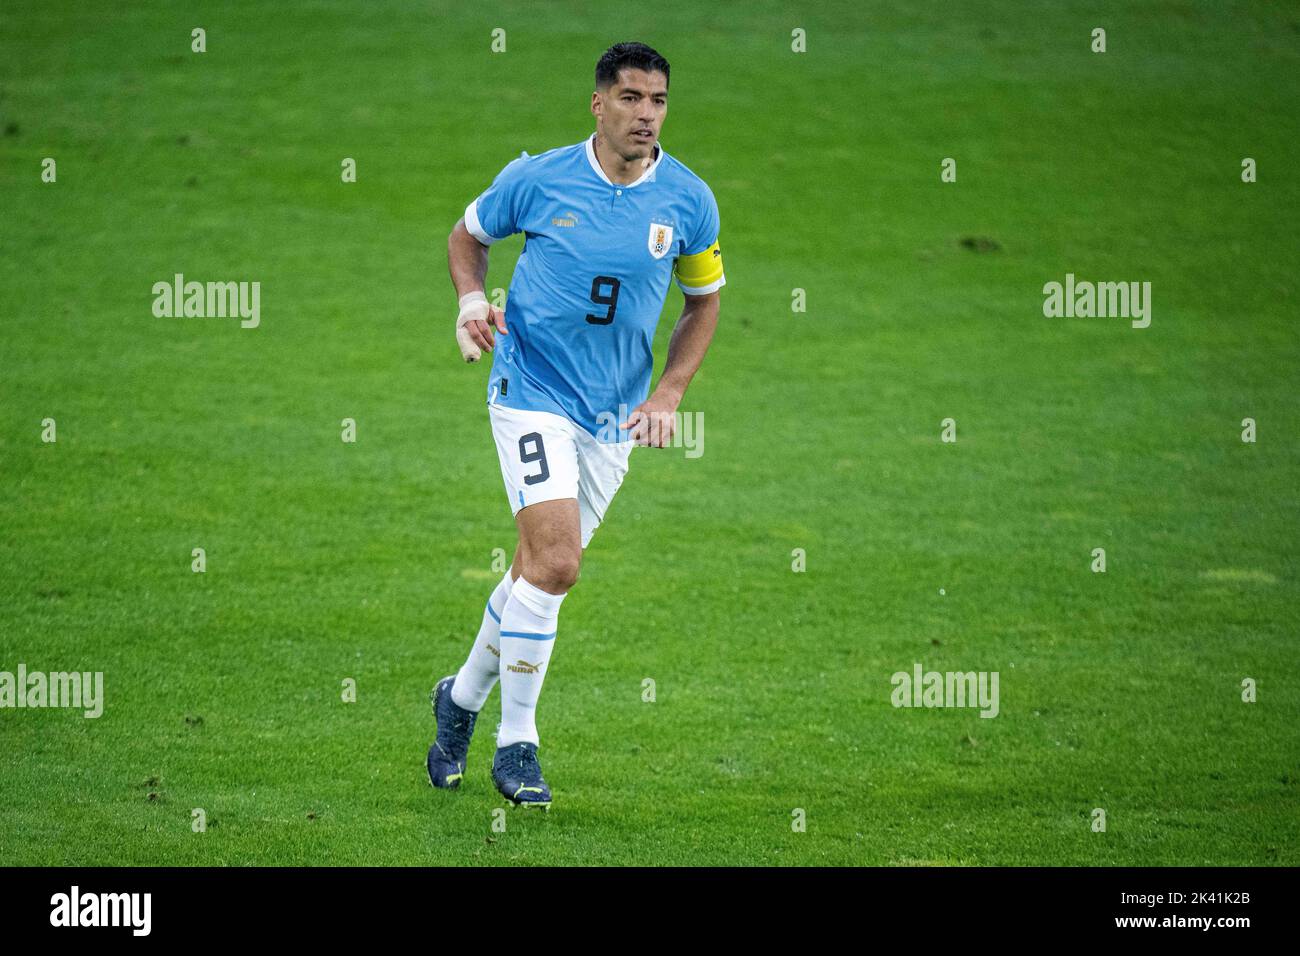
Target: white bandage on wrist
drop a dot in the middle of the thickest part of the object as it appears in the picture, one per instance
(473, 307)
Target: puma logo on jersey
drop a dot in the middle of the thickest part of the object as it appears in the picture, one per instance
(567, 221)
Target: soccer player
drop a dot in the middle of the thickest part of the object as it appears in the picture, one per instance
(608, 223)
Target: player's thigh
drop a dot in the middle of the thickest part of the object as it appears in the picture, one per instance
(550, 538)
(601, 469)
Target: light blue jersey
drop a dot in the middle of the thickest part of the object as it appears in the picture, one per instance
(592, 278)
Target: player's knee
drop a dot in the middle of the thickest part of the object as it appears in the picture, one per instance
(556, 570)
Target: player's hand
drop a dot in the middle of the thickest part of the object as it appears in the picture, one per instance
(474, 326)
(654, 422)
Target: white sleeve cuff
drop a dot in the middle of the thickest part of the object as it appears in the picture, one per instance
(474, 226)
(703, 289)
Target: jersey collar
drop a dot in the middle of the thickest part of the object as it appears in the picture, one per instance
(595, 164)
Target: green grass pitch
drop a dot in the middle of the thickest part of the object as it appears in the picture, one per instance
(372, 560)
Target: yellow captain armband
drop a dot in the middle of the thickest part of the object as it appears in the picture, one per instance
(701, 273)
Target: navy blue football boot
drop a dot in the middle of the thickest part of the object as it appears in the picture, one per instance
(446, 761)
(518, 776)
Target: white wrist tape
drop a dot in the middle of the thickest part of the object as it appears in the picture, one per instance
(473, 307)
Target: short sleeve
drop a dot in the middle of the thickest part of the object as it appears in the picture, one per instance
(707, 224)
(499, 211)
(699, 268)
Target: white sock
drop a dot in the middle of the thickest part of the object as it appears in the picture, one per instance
(478, 675)
(527, 637)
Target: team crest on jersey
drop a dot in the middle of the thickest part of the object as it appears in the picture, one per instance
(661, 239)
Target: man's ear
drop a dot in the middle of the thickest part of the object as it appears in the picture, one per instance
(595, 103)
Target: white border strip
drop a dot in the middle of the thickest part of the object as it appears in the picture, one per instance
(474, 226)
(704, 289)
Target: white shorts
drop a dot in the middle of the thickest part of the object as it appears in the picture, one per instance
(545, 456)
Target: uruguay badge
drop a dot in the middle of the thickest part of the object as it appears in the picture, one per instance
(661, 239)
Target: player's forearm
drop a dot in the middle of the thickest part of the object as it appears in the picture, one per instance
(467, 260)
(689, 344)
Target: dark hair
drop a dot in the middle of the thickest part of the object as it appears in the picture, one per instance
(620, 56)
